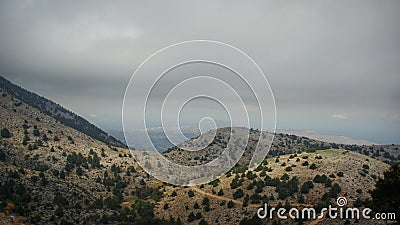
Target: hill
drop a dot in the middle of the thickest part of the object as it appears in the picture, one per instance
(56, 111)
(282, 144)
(297, 180)
(51, 173)
(326, 138)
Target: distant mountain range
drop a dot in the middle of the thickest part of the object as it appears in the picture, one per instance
(162, 144)
(326, 137)
(282, 144)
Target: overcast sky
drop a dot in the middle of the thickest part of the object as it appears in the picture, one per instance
(334, 66)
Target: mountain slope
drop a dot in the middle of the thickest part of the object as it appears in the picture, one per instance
(58, 112)
(237, 195)
(282, 144)
(54, 174)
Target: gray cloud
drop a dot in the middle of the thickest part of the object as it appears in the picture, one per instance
(321, 58)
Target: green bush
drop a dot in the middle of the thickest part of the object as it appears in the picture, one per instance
(190, 193)
(305, 188)
(5, 133)
(238, 194)
(288, 169)
(335, 190)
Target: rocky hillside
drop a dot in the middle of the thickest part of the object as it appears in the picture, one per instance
(297, 180)
(54, 174)
(282, 144)
(56, 111)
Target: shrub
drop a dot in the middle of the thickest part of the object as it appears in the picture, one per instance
(215, 183)
(230, 204)
(238, 194)
(5, 133)
(206, 201)
(25, 141)
(250, 175)
(358, 203)
(235, 183)
(285, 176)
(165, 206)
(335, 190)
(191, 217)
(79, 171)
(36, 132)
(305, 188)
(288, 169)
(313, 166)
(190, 193)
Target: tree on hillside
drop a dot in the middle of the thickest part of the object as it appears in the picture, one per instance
(386, 196)
(5, 133)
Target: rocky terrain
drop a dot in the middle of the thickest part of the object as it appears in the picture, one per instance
(53, 174)
(315, 178)
(211, 147)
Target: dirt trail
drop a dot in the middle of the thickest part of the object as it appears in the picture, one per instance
(319, 219)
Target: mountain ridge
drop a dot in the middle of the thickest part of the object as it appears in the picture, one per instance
(58, 112)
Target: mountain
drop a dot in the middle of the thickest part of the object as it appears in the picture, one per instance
(326, 137)
(282, 144)
(57, 112)
(51, 173)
